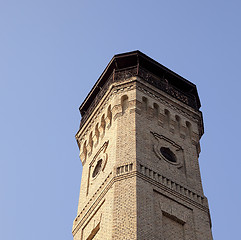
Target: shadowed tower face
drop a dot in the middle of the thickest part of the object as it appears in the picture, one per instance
(139, 146)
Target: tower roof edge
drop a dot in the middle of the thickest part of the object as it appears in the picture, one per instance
(138, 59)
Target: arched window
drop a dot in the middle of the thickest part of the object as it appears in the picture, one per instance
(189, 128)
(167, 114)
(144, 103)
(178, 121)
(156, 109)
(124, 103)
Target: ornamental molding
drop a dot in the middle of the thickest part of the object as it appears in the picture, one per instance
(168, 104)
(115, 89)
(162, 141)
(160, 82)
(100, 152)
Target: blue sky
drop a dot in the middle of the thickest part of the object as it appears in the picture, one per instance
(51, 54)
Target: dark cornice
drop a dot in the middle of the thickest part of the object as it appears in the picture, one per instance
(155, 74)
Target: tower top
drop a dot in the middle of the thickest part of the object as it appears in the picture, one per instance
(136, 63)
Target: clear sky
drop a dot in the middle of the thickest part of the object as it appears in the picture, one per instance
(51, 54)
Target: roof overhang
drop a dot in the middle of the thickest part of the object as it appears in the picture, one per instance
(137, 58)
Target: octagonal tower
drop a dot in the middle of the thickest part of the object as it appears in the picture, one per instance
(139, 146)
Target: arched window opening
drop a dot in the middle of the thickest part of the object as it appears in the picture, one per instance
(167, 114)
(109, 113)
(178, 121)
(91, 141)
(97, 132)
(144, 103)
(124, 103)
(189, 128)
(156, 109)
(84, 152)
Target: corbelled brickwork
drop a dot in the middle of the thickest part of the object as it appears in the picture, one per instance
(139, 147)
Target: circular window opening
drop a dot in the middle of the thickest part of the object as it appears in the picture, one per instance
(168, 154)
(97, 168)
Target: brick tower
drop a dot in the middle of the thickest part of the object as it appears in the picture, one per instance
(139, 146)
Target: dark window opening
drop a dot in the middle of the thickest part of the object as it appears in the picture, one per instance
(97, 168)
(168, 154)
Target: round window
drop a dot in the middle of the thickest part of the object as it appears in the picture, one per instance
(97, 168)
(168, 154)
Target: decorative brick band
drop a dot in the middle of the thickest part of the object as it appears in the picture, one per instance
(128, 171)
(171, 184)
(125, 168)
(160, 82)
